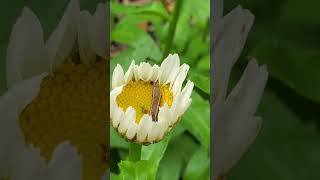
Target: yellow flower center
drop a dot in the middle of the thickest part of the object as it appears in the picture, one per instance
(138, 94)
(71, 106)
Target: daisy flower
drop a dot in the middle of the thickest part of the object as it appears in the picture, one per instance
(147, 101)
(235, 125)
(58, 93)
(21, 161)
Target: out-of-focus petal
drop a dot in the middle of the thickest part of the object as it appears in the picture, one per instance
(232, 34)
(26, 55)
(87, 54)
(63, 38)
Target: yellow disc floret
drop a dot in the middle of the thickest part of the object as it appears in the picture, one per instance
(167, 96)
(138, 94)
(71, 106)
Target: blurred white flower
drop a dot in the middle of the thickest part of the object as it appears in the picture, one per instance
(20, 161)
(147, 101)
(55, 99)
(235, 125)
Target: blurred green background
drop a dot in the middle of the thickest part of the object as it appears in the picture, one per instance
(140, 32)
(285, 36)
(48, 12)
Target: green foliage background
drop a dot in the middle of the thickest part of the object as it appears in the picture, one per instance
(185, 152)
(285, 36)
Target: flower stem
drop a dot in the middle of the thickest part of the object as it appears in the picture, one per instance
(134, 152)
(172, 27)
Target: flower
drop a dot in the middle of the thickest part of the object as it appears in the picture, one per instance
(56, 96)
(21, 161)
(147, 101)
(235, 125)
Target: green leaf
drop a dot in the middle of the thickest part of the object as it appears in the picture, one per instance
(300, 14)
(298, 69)
(284, 149)
(140, 170)
(200, 11)
(197, 119)
(170, 165)
(199, 166)
(153, 8)
(177, 130)
(155, 152)
(196, 48)
(147, 167)
(201, 80)
(204, 63)
(121, 34)
(141, 50)
(179, 152)
(193, 17)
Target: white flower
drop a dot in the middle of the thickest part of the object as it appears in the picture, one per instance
(54, 98)
(136, 110)
(235, 124)
(20, 161)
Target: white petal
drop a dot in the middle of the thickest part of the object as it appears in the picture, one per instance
(249, 89)
(145, 71)
(169, 68)
(132, 129)
(33, 169)
(129, 74)
(130, 115)
(235, 118)
(117, 77)
(65, 164)
(11, 138)
(113, 99)
(117, 117)
(11, 105)
(116, 91)
(98, 30)
(136, 72)
(164, 114)
(232, 34)
(26, 55)
(181, 76)
(186, 104)
(156, 72)
(154, 133)
(25, 91)
(62, 39)
(178, 107)
(186, 94)
(87, 54)
(187, 90)
(145, 126)
(161, 126)
(224, 152)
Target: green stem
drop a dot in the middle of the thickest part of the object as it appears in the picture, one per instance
(172, 27)
(134, 152)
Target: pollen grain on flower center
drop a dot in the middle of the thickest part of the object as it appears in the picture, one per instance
(71, 106)
(138, 94)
